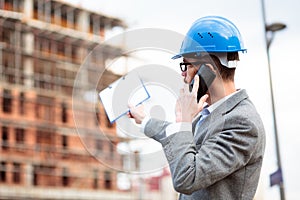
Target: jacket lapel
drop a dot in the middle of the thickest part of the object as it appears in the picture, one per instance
(217, 117)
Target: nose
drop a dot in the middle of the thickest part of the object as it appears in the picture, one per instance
(183, 74)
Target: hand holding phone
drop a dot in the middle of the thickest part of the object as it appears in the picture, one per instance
(207, 76)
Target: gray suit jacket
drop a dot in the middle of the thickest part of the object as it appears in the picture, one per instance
(224, 158)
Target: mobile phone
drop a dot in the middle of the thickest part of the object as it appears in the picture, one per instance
(206, 77)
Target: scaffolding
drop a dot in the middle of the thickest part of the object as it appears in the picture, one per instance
(42, 46)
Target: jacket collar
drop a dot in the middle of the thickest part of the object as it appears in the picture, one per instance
(225, 107)
(231, 102)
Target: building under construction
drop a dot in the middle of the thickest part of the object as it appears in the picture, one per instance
(42, 45)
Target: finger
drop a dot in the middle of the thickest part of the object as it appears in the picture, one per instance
(129, 115)
(181, 91)
(177, 105)
(196, 84)
(186, 87)
(202, 100)
(130, 105)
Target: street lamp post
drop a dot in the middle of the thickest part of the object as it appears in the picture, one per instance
(270, 30)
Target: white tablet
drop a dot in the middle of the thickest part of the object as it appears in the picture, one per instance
(116, 97)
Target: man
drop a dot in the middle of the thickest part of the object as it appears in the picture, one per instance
(215, 148)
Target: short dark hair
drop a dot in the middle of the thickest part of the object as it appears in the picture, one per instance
(226, 73)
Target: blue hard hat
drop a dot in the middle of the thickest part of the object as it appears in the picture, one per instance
(211, 34)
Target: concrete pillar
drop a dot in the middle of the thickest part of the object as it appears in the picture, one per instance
(28, 41)
(28, 72)
(83, 21)
(27, 61)
(28, 8)
(28, 175)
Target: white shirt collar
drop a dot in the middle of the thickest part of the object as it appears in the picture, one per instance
(213, 106)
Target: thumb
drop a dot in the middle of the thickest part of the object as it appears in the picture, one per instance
(202, 100)
(130, 105)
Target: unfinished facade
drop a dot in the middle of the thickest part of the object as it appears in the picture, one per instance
(42, 45)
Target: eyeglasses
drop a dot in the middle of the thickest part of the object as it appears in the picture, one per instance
(184, 65)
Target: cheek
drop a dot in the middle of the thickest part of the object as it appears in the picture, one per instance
(191, 75)
(189, 78)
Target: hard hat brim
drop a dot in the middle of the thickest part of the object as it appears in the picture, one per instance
(176, 56)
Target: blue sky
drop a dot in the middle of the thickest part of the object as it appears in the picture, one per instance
(252, 72)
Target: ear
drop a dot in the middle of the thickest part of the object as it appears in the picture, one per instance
(211, 67)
